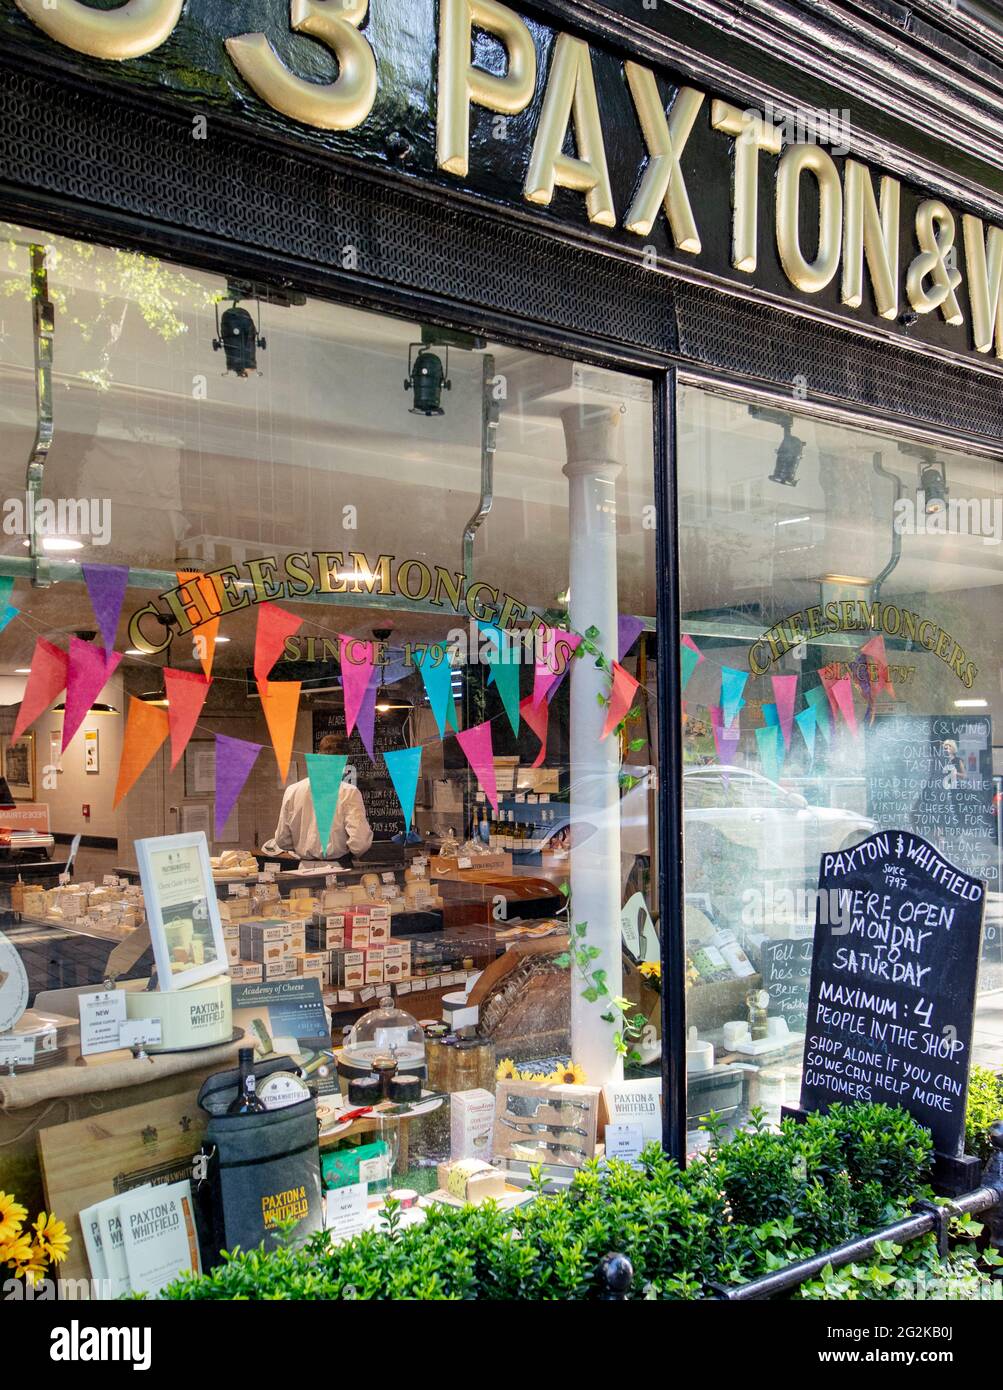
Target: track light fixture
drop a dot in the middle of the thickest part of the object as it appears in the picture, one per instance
(790, 448)
(427, 377)
(239, 337)
(933, 486)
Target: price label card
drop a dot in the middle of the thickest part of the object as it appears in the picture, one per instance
(238, 890)
(17, 1052)
(266, 876)
(389, 891)
(141, 1032)
(389, 877)
(346, 996)
(404, 987)
(101, 1019)
(368, 993)
(273, 868)
(110, 880)
(624, 1141)
(347, 1210)
(463, 862)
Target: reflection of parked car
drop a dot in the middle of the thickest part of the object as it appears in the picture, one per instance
(725, 808)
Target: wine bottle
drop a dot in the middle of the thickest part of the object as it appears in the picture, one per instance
(247, 1101)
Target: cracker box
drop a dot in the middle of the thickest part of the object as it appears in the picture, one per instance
(374, 972)
(353, 976)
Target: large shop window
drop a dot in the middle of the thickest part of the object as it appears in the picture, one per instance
(425, 558)
(840, 597)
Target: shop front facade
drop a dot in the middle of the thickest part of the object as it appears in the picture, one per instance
(582, 421)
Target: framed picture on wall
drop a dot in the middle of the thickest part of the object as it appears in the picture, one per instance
(92, 756)
(200, 767)
(19, 765)
(181, 909)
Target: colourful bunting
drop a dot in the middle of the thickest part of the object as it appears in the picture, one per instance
(504, 663)
(106, 585)
(829, 675)
(771, 745)
(555, 648)
(203, 633)
(357, 659)
(274, 626)
(89, 671)
(186, 695)
(325, 771)
(280, 701)
(621, 698)
(842, 692)
(628, 630)
(477, 746)
(818, 700)
(9, 612)
(785, 689)
(8, 615)
(770, 714)
(538, 719)
(874, 650)
(807, 722)
(47, 680)
(725, 740)
(404, 766)
(234, 759)
(438, 681)
(366, 721)
(689, 660)
(732, 685)
(146, 729)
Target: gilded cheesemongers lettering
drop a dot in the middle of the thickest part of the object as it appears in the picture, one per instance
(690, 163)
(893, 979)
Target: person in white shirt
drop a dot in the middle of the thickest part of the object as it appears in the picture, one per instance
(297, 831)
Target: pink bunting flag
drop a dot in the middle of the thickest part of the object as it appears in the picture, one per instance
(89, 671)
(234, 759)
(829, 675)
(725, 739)
(274, 626)
(621, 697)
(538, 719)
(186, 694)
(785, 689)
(357, 660)
(874, 650)
(554, 653)
(47, 680)
(479, 751)
(842, 693)
(366, 721)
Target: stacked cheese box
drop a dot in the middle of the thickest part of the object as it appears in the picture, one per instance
(358, 947)
(116, 906)
(266, 948)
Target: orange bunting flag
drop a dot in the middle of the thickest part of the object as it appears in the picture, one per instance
(538, 719)
(49, 669)
(204, 631)
(621, 698)
(146, 729)
(186, 694)
(274, 626)
(280, 701)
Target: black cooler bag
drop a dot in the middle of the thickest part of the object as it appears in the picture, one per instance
(255, 1171)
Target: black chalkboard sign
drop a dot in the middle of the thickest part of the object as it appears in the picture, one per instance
(786, 970)
(894, 971)
(372, 778)
(934, 773)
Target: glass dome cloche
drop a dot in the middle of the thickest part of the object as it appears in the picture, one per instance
(385, 1032)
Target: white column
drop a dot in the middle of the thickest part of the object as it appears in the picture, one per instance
(594, 438)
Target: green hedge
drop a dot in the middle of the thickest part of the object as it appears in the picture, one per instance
(753, 1204)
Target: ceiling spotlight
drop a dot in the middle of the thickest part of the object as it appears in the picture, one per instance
(933, 486)
(790, 448)
(237, 334)
(427, 378)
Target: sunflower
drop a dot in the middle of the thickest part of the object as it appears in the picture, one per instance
(52, 1237)
(34, 1267)
(651, 969)
(17, 1252)
(506, 1070)
(12, 1216)
(570, 1075)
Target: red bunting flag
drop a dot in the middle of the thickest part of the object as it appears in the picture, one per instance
(874, 650)
(538, 719)
(204, 633)
(49, 668)
(274, 626)
(621, 698)
(186, 695)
